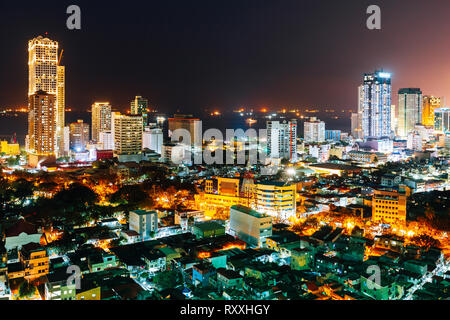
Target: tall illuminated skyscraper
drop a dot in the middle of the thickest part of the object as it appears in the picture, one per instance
(41, 124)
(60, 107)
(430, 104)
(139, 106)
(410, 103)
(101, 119)
(375, 105)
(44, 73)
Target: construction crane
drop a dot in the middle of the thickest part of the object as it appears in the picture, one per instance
(60, 57)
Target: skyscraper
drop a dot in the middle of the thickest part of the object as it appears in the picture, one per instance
(60, 107)
(101, 119)
(442, 120)
(41, 124)
(410, 103)
(79, 135)
(314, 130)
(357, 125)
(282, 139)
(375, 105)
(139, 106)
(44, 73)
(430, 104)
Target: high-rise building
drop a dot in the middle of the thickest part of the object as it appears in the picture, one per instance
(314, 130)
(127, 133)
(101, 119)
(42, 65)
(153, 139)
(282, 139)
(442, 120)
(410, 103)
(189, 123)
(394, 118)
(60, 107)
(45, 73)
(375, 105)
(41, 123)
(106, 140)
(357, 125)
(139, 106)
(79, 135)
(430, 104)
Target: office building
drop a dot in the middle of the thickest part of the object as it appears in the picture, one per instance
(45, 74)
(442, 120)
(430, 104)
(144, 222)
(357, 126)
(276, 199)
(314, 130)
(192, 125)
(250, 226)
(152, 139)
(41, 123)
(101, 119)
(127, 132)
(333, 135)
(410, 104)
(375, 105)
(106, 140)
(389, 207)
(79, 135)
(282, 139)
(139, 106)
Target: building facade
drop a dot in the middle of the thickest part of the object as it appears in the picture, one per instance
(430, 103)
(250, 226)
(276, 199)
(139, 106)
(144, 222)
(41, 123)
(389, 207)
(79, 135)
(282, 139)
(375, 105)
(442, 120)
(101, 119)
(410, 104)
(127, 132)
(314, 130)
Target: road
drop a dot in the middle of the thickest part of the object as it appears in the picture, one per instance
(443, 267)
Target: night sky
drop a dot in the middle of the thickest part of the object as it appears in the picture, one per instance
(193, 54)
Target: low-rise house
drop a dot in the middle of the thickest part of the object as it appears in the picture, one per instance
(57, 286)
(201, 273)
(227, 279)
(21, 233)
(155, 260)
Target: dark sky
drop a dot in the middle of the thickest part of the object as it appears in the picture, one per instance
(192, 54)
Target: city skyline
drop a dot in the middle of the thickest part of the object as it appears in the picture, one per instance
(166, 68)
